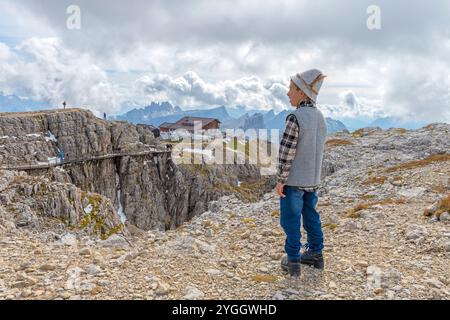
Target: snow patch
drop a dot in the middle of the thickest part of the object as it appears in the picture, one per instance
(51, 137)
(122, 216)
(207, 153)
(88, 209)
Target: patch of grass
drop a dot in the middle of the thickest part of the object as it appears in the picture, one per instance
(388, 201)
(420, 163)
(440, 189)
(375, 180)
(113, 230)
(324, 204)
(248, 220)
(338, 142)
(355, 211)
(95, 220)
(358, 133)
(443, 206)
(264, 278)
(400, 130)
(368, 196)
(331, 226)
(247, 191)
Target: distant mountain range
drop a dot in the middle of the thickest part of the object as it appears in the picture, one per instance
(231, 117)
(392, 122)
(13, 103)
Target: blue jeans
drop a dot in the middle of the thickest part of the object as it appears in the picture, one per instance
(293, 207)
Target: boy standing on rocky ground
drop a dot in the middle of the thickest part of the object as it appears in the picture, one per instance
(298, 175)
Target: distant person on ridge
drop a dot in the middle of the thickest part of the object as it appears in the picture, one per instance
(298, 174)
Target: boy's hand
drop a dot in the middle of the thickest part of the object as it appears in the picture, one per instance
(279, 187)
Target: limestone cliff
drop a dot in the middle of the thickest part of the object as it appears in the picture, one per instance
(150, 189)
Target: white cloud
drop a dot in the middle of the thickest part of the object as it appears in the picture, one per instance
(191, 90)
(42, 69)
(201, 53)
(419, 89)
(4, 52)
(352, 106)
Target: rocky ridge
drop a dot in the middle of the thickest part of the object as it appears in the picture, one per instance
(385, 214)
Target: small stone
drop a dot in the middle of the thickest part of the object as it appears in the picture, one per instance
(276, 255)
(434, 283)
(444, 216)
(268, 233)
(87, 286)
(390, 294)
(206, 223)
(204, 247)
(24, 281)
(412, 192)
(414, 232)
(65, 295)
(114, 241)
(332, 285)
(351, 225)
(104, 283)
(378, 291)
(433, 219)
(98, 260)
(263, 270)
(85, 252)
(376, 277)
(361, 264)
(69, 239)
(213, 272)
(96, 290)
(278, 296)
(397, 183)
(47, 267)
(245, 235)
(162, 289)
(94, 269)
(193, 293)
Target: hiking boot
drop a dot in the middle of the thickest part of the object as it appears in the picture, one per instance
(312, 259)
(291, 266)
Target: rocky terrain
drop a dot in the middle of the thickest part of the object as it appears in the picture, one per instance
(151, 191)
(385, 212)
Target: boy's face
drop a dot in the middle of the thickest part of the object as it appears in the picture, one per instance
(295, 95)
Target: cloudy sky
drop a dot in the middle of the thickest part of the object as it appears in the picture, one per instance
(210, 53)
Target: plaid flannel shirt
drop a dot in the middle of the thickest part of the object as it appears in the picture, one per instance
(288, 147)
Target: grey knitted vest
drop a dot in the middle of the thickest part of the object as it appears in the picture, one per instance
(306, 167)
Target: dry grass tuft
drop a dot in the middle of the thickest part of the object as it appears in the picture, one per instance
(338, 142)
(420, 163)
